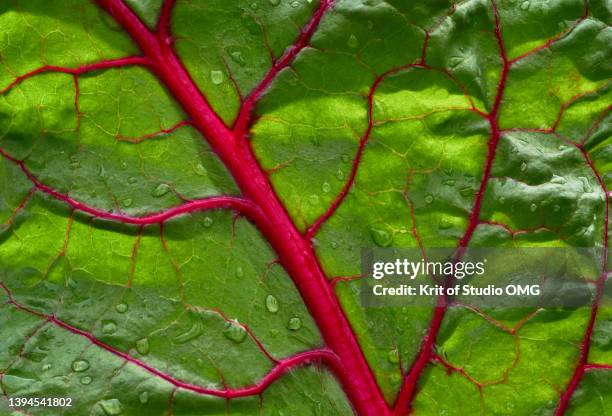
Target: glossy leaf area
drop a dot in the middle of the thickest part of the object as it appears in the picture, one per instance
(186, 187)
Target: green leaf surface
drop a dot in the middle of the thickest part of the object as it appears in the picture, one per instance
(186, 188)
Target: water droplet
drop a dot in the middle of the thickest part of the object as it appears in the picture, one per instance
(345, 158)
(501, 199)
(200, 170)
(429, 199)
(121, 307)
(455, 61)
(46, 367)
(239, 272)
(326, 187)
(525, 5)
(533, 207)
(381, 236)
(294, 323)
(295, 4)
(271, 304)
(313, 199)
(142, 346)
(80, 365)
(274, 2)
(448, 182)
(558, 179)
(111, 407)
(352, 42)
(160, 190)
(586, 186)
(207, 222)
(236, 55)
(254, 6)
(101, 171)
(235, 332)
(132, 180)
(393, 356)
(86, 380)
(340, 175)
(216, 77)
(109, 327)
(127, 202)
(556, 208)
(466, 191)
(334, 245)
(523, 167)
(143, 397)
(445, 224)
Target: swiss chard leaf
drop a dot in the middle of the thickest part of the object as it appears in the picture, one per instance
(186, 188)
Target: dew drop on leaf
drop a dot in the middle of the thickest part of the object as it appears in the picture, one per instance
(313, 199)
(235, 332)
(239, 272)
(132, 180)
(207, 222)
(109, 327)
(326, 187)
(127, 202)
(381, 236)
(80, 365)
(274, 2)
(294, 323)
(121, 307)
(525, 5)
(142, 346)
(254, 6)
(271, 304)
(340, 175)
(295, 4)
(200, 170)
(557, 179)
(345, 158)
(533, 207)
(216, 77)
(523, 167)
(235, 55)
(46, 367)
(352, 42)
(393, 356)
(429, 199)
(333, 245)
(448, 182)
(143, 397)
(466, 191)
(86, 380)
(445, 224)
(160, 190)
(556, 208)
(111, 407)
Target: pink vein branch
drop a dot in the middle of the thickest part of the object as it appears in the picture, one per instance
(403, 402)
(242, 121)
(283, 366)
(241, 205)
(589, 367)
(312, 230)
(112, 63)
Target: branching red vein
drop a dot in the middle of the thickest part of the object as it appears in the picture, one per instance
(113, 63)
(282, 366)
(241, 205)
(245, 113)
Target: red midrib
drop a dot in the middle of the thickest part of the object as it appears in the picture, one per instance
(294, 252)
